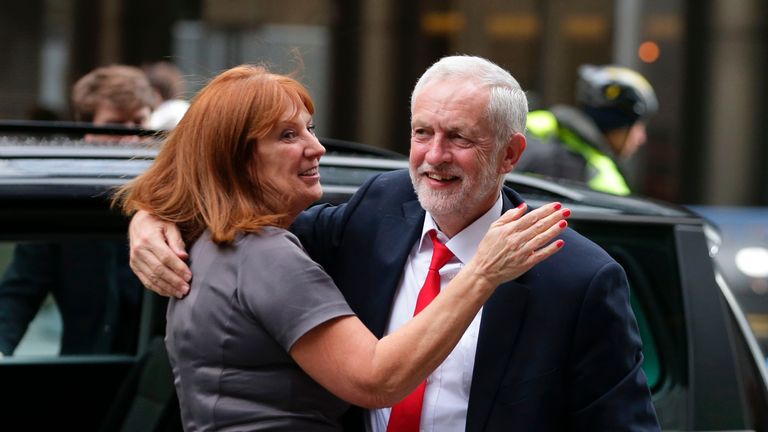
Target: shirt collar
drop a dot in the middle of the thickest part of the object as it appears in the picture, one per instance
(464, 244)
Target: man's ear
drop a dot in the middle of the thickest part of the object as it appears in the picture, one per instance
(512, 152)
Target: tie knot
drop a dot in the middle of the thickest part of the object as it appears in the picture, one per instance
(441, 254)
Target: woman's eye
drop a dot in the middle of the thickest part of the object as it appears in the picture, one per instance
(311, 129)
(289, 134)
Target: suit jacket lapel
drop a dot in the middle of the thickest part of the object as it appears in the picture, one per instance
(398, 233)
(501, 319)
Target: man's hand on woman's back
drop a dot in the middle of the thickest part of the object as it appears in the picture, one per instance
(158, 255)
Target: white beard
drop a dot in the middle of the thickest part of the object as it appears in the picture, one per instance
(472, 191)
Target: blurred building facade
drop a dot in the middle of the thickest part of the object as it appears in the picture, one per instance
(360, 59)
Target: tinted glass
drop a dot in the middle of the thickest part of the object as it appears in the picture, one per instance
(647, 254)
(74, 296)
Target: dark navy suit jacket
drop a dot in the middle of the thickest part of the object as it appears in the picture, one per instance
(558, 349)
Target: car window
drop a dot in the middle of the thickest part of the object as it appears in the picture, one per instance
(647, 254)
(43, 336)
(652, 365)
(72, 296)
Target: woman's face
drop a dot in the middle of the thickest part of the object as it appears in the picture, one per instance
(288, 159)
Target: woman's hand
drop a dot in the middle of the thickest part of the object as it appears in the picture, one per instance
(518, 240)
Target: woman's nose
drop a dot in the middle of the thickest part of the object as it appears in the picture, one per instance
(315, 149)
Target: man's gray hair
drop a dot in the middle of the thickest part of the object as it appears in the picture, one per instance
(508, 106)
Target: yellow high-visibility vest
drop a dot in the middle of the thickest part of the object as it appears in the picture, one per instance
(543, 124)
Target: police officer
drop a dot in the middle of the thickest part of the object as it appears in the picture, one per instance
(585, 142)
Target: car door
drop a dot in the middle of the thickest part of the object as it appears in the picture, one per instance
(63, 255)
(702, 372)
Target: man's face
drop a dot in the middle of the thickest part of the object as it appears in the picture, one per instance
(455, 165)
(635, 138)
(108, 114)
(627, 140)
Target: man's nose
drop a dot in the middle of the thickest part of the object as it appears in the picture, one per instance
(643, 135)
(439, 151)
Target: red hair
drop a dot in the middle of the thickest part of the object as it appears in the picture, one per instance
(206, 174)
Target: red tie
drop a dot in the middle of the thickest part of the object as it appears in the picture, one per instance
(406, 414)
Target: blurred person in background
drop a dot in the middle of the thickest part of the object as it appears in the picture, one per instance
(169, 85)
(115, 95)
(95, 291)
(587, 142)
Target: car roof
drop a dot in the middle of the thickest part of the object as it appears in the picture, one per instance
(39, 160)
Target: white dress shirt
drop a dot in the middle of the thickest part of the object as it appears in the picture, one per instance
(447, 394)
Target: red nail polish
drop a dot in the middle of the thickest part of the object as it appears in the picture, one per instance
(563, 224)
(558, 206)
(559, 243)
(566, 212)
(521, 205)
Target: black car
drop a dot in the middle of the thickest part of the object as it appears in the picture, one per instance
(704, 366)
(739, 246)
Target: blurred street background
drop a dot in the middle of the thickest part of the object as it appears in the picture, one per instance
(707, 60)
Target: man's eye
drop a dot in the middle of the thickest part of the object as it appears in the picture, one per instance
(459, 139)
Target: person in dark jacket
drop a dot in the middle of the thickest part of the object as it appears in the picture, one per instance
(587, 142)
(97, 295)
(95, 291)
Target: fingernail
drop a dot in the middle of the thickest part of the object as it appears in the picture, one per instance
(558, 206)
(559, 243)
(521, 206)
(563, 224)
(566, 212)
